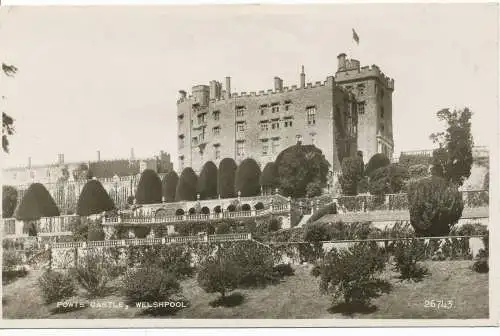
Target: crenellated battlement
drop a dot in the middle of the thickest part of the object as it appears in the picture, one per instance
(357, 73)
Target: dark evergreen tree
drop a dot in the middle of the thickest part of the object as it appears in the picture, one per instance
(149, 189)
(225, 178)
(36, 203)
(352, 173)
(207, 182)
(94, 199)
(9, 200)
(377, 161)
(169, 185)
(186, 188)
(269, 180)
(389, 179)
(247, 178)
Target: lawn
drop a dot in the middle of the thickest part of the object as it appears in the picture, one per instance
(296, 297)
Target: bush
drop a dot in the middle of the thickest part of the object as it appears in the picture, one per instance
(352, 173)
(316, 271)
(226, 178)
(377, 161)
(94, 199)
(388, 180)
(169, 186)
(352, 274)
(56, 286)
(274, 225)
(269, 179)
(406, 257)
(149, 189)
(408, 160)
(95, 232)
(94, 271)
(11, 259)
(207, 183)
(283, 270)
(247, 178)
(298, 166)
(130, 200)
(149, 284)
(418, 171)
(219, 275)
(481, 266)
(435, 206)
(255, 263)
(186, 188)
(9, 201)
(36, 203)
(223, 228)
(329, 209)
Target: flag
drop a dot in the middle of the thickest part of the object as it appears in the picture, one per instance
(355, 36)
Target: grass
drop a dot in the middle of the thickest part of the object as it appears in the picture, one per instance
(295, 297)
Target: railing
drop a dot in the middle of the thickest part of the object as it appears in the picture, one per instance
(9, 225)
(154, 241)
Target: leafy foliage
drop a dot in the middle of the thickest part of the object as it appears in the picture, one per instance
(56, 286)
(284, 270)
(150, 284)
(352, 173)
(219, 274)
(352, 274)
(407, 253)
(435, 206)
(186, 188)
(94, 199)
(408, 160)
(453, 161)
(377, 161)
(149, 189)
(247, 178)
(94, 271)
(486, 183)
(418, 171)
(269, 179)
(7, 121)
(389, 179)
(36, 203)
(169, 186)
(9, 200)
(226, 178)
(207, 183)
(300, 165)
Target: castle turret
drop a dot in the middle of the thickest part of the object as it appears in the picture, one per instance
(228, 87)
(302, 78)
(278, 84)
(341, 58)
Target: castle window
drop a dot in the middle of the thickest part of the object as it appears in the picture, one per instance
(275, 108)
(263, 109)
(311, 115)
(181, 141)
(287, 105)
(288, 122)
(275, 124)
(216, 115)
(216, 130)
(240, 148)
(313, 138)
(275, 145)
(361, 89)
(201, 118)
(264, 125)
(217, 151)
(298, 137)
(240, 111)
(265, 147)
(361, 108)
(240, 127)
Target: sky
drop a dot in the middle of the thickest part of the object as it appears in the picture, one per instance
(107, 78)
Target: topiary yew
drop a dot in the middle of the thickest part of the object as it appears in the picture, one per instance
(377, 161)
(169, 186)
(207, 183)
(247, 178)
(149, 190)
(435, 206)
(94, 199)
(36, 203)
(186, 188)
(269, 178)
(225, 178)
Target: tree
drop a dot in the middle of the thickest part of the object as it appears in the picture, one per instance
(9, 200)
(352, 173)
(36, 203)
(300, 165)
(80, 173)
(418, 171)
(247, 178)
(486, 183)
(186, 188)
(377, 161)
(149, 189)
(7, 121)
(93, 199)
(225, 178)
(390, 179)
(453, 161)
(435, 206)
(219, 275)
(269, 179)
(169, 185)
(207, 182)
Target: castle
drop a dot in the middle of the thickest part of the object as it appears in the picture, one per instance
(348, 112)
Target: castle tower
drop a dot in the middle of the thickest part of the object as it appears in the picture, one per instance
(373, 93)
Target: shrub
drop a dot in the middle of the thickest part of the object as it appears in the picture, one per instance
(247, 178)
(207, 183)
(377, 161)
(94, 271)
(94, 199)
(481, 266)
(352, 173)
(298, 166)
(408, 160)
(56, 286)
(435, 206)
(186, 188)
(316, 233)
(11, 259)
(9, 200)
(219, 275)
(149, 284)
(149, 189)
(283, 270)
(36, 203)
(316, 271)
(352, 274)
(95, 232)
(226, 178)
(169, 186)
(274, 225)
(389, 179)
(269, 179)
(329, 209)
(418, 171)
(406, 257)
(223, 228)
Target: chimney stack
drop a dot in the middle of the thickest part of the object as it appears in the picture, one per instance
(302, 78)
(60, 159)
(342, 61)
(132, 156)
(278, 84)
(29, 162)
(228, 87)
(98, 155)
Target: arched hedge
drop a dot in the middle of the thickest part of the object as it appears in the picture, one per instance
(169, 186)
(247, 179)
(94, 199)
(186, 188)
(225, 178)
(36, 203)
(149, 190)
(207, 182)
